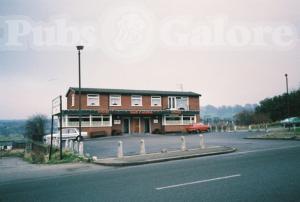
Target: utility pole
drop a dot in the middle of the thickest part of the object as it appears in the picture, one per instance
(79, 48)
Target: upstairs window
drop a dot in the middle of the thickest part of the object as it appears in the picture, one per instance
(180, 103)
(155, 101)
(115, 100)
(172, 102)
(93, 100)
(136, 100)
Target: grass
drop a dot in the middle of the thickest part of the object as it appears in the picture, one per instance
(12, 153)
(40, 158)
(288, 135)
(68, 157)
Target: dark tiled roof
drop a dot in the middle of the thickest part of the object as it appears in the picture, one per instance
(133, 92)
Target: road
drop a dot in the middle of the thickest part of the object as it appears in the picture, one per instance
(269, 173)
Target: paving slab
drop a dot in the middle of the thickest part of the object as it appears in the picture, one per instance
(167, 156)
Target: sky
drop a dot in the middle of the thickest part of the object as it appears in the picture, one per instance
(231, 52)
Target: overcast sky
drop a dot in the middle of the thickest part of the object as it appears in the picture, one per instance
(146, 44)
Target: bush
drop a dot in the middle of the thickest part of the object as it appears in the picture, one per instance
(35, 127)
(116, 132)
(157, 131)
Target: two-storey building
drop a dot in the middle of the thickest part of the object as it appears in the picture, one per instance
(116, 111)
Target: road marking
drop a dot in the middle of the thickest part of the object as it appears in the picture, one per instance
(198, 182)
(262, 150)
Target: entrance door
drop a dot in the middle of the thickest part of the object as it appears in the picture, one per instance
(135, 125)
(126, 126)
(146, 125)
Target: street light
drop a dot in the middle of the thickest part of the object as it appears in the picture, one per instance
(287, 98)
(79, 48)
(287, 95)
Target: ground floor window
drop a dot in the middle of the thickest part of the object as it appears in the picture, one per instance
(178, 120)
(87, 121)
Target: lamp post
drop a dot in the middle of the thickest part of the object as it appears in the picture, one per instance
(79, 48)
(287, 98)
(287, 95)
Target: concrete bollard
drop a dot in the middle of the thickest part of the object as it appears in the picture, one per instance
(235, 128)
(71, 146)
(142, 147)
(294, 127)
(202, 145)
(75, 146)
(250, 128)
(120, 149)
(94, 158)
(80, 148)
(66, 144)
(266, 128)
(183, 143)
(216, 129)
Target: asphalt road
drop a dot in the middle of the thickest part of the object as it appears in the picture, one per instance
(269, 171)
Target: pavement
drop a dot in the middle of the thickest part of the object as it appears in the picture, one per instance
(165, 156)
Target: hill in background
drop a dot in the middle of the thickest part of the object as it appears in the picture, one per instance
(224, 112)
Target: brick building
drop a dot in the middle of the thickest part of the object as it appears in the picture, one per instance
(119, 111)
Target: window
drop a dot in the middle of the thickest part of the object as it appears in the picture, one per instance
(73, 100)
(136, 100)
(155, 101)
(180, 103)
(178, 120)
(173, 120)
(115, 100)
(93, 100)
(172, 103)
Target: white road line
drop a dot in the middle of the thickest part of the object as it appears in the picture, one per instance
(198, 182)
(262, 150)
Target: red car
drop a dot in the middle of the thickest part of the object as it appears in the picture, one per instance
(198, 128)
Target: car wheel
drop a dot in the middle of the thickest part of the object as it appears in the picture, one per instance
(79, 138)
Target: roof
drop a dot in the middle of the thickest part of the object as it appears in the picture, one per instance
(132, 92)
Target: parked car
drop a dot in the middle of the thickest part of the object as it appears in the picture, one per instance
(293, 121)
(198, 128)
(67, 133)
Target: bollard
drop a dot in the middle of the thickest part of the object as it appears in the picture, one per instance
(266, 128)
(202, 145)
(216, 129)
(294, 126)
(183, 144)
(94, 158)
(66, 144)
(235, 128)
(250, 128)
(75, 146)
(80, 148)
(120, 149)
(71, 146)
(142, 147)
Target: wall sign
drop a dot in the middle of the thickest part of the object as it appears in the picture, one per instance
(117, 122)
(155, 120)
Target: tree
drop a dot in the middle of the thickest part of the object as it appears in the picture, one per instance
(35, 127)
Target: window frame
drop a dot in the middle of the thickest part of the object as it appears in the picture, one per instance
(155, 96)
(87, 100)
(114, 95)
(140, 98)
